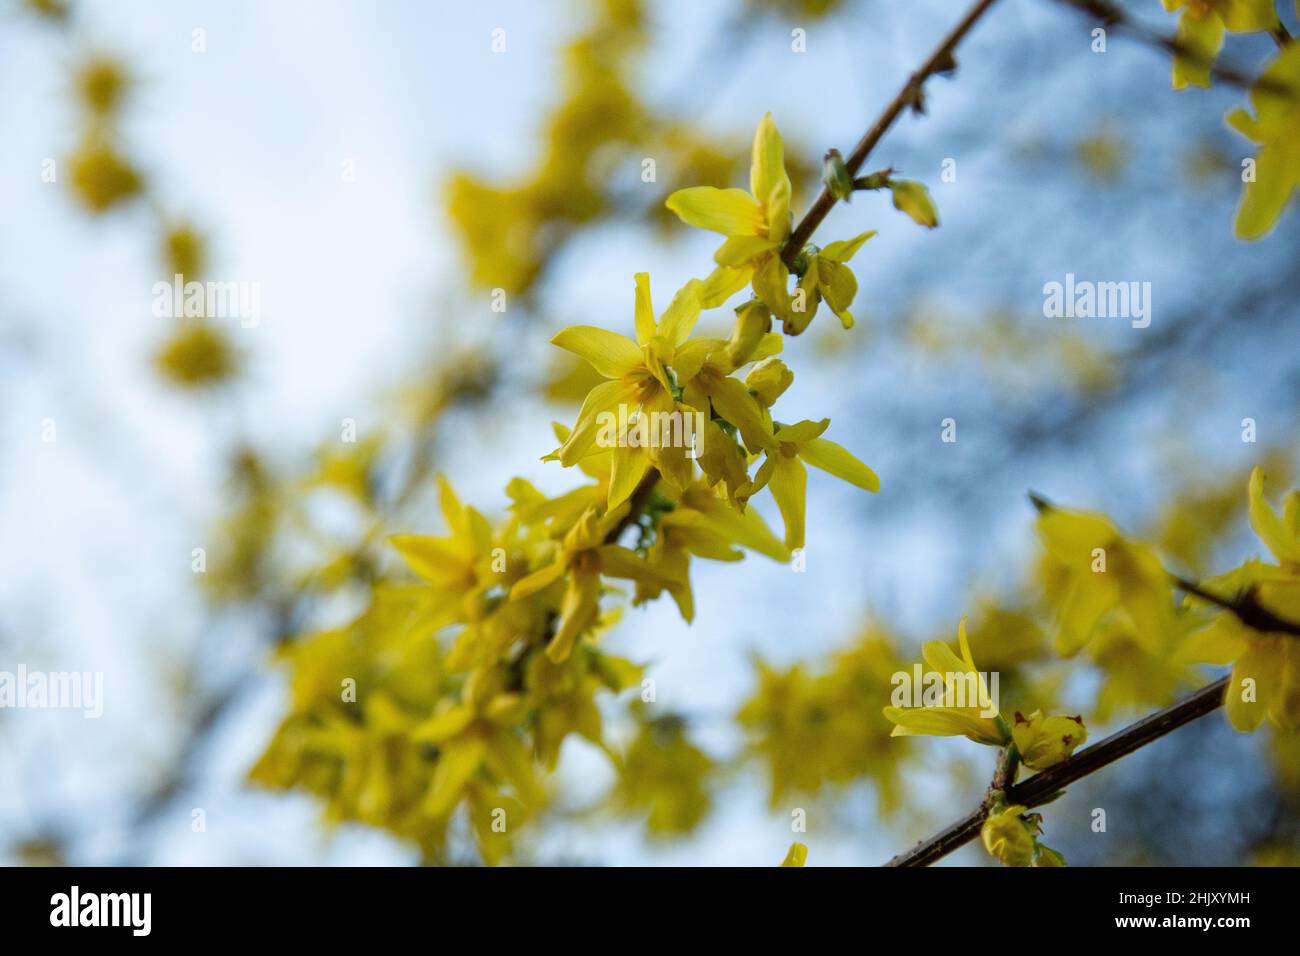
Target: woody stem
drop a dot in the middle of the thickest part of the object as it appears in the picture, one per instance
(1044, 786)
(941, 59)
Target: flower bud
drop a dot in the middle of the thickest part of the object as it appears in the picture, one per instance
(914, 199)
(1044, 741)
(768, 380)
(1008, 837)
(753, 321)
(836, 175)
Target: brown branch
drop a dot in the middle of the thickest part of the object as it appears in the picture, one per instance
(1245, 605)
(941, 60)
(1043, 787)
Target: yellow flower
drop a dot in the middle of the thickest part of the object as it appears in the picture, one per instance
(1201, 29)
(458, 566)
(816, 731)
(703, 525)
(1281, 534)
(783, 469)
(1265, 678)
(478, 733)
(664, 777)
(1105, 575)
(828, 279)
(1043, 741)
(639, 386)
(198, 355)
(797, 855)
(583, 557)
(756, 223)
(960, 683)
(183, 250)
(1276, 128)
(102, 84)
(101, 177)
(1009, 837)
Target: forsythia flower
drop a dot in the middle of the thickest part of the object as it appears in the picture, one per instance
(1043, 741)
(1201, 29)
(102, 84)
(1276, 128)
(584, 556)
(664, 776)
(102, 177)
(814, 731)
(960, 682)
(703, 525)
(756, 223)
(1266, 667)
(456, 565)
(639, 385)
(829, 279)
(196, 356)
(1105, 575)
(479, 732)
(783, 468)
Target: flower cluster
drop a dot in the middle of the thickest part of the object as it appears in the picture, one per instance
(512, 609)
(1275, 96)
(1113, 596)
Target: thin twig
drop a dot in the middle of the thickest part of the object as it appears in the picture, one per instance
(941, 60)
(1045, 786)
(1245, 605)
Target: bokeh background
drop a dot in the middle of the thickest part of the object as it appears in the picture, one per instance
(378, 170)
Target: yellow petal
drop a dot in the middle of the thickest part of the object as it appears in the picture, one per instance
(617, 561)
(803, 431)
(1202, 37)
(1089, 597)
(797, 855)
(1257, 674)
(722, 283)
(1248, 16)
(610, 354)
(1270, 528)
(1263, 200)
(733, 402)
(457, 764)
(739, 250)
(767, 160)
(789, 485)
(433, 559)
(838, 461)
(601, 401)
(844, 249)
(628, 468)
(542, 578)
(678, 320)
(577, 612)
(1220, 642)
(644, 311)
(444, 726)
(732, 212)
